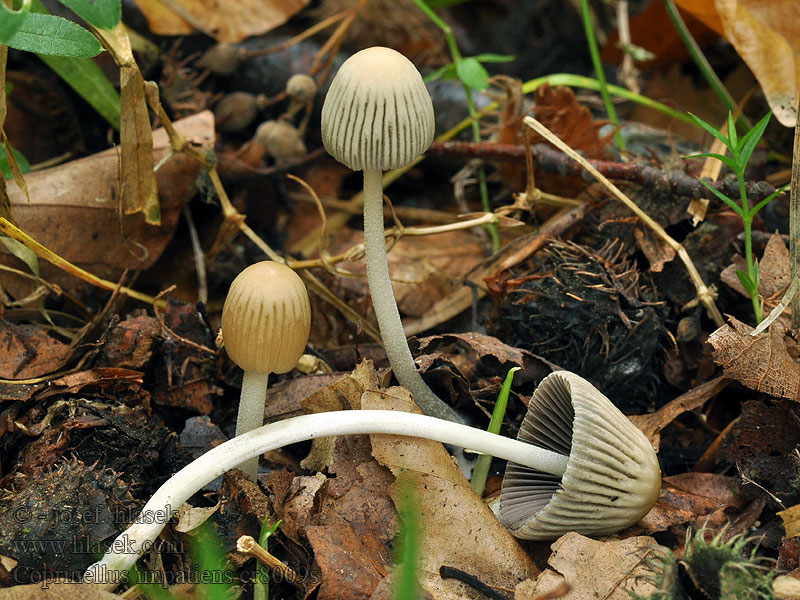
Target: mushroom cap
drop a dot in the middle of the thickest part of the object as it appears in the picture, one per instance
(266, 318)
(282, 141)
(612, 478)
(377, 113)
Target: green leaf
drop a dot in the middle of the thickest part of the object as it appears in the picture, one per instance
(751, 139)
(446, 72)
(472, 74)
(48, 34)
(103, 14)
(12, 20)
(748, 285)
(733, 138)
(736, 208)
(22, 252)
(494, 58)
(710, 129)
(24, 166)
(86, 78)
(765, 201)
(720, 157)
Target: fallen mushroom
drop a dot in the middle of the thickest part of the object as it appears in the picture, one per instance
(265, 323)
(377, 116)
(585, 466)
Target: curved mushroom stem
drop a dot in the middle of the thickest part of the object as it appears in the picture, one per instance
(132, 542)
(380, 288)
(251, 413)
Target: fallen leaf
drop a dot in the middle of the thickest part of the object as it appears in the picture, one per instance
(791, 520)
(657, 252)
(232, 21)
(652, 424)
(612, 570)
(762, 363)
(457, 528)
(29, 351)
(766, 34)
(191, 517)
(73, 212)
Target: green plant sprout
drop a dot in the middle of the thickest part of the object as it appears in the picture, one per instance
(481, 470)
(594, 52)
(406, 586)
(261, 582)
(741, 149)
(472, 74)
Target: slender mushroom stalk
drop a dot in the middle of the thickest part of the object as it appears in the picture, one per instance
(600, 473)
(378, 116)
(265, 323)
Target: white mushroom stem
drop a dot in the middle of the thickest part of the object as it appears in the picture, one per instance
(139, 537)
(389, 323)
(251, 413)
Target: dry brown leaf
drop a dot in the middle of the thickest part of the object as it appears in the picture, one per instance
(231, 21)
(697, 210)
(595, 569)
(691, 498)
(766, 34)
(457, 528)
(763, 363)
(791, 520)
(73, 213)
(652, 424)
(657, 252)
(29, 352)
(773, 273)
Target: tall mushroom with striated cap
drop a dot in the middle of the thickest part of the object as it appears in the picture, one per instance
(266, 319)
(612, 478)
(378, 116)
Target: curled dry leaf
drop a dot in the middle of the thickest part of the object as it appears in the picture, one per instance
(763, 363)
(73, 211)
(231, 21)
(773, 273)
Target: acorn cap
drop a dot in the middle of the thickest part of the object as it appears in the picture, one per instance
(612, 478)
(266, 318)
(377, 114)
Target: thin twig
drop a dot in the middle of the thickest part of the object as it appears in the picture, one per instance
(794, 221)
(704, 294)
(199, 259)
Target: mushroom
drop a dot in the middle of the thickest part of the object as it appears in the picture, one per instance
(377, 115)
(583, 465)
(612, 477)
(265, 323)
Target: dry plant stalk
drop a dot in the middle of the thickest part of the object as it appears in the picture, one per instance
(248, 545)
(794, 222)
(704, 294)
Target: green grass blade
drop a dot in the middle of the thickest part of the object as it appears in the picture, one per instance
(735, 207)
(86, 78)
(751, 139)
(711, 130)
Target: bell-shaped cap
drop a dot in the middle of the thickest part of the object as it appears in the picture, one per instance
(612, 478)
(377, 114)
(266, 318)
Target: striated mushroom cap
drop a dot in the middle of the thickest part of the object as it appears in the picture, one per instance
(377, 114)
(612, 478)
(266, 318)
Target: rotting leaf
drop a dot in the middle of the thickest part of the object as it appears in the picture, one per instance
(232, 21)
(657, 252)
(612, 570)
(763, 363)
(29, 352)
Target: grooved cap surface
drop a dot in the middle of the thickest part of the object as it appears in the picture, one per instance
(612, 478)
(266, 318)
(377, 113)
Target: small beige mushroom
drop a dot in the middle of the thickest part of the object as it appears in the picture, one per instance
(266, 319)
(612, 478)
